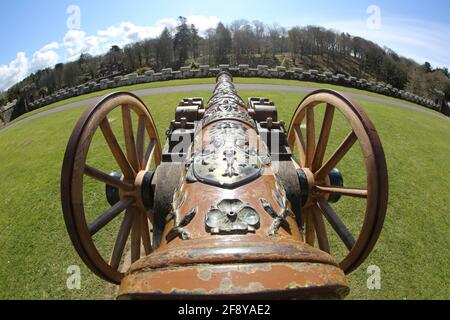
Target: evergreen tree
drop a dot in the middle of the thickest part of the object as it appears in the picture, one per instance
(223, 44)
(195, 42)
(164, 49)
(182, 43)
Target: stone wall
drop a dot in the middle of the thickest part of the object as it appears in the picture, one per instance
(6, 112)
(243, 70)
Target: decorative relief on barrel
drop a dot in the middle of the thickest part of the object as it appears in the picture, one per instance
(232, 216)
(179, 200)
(228, 160)
(279, 218)
(226, 96)
(177, 230)
(225, 115)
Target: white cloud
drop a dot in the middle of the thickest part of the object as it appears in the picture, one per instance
(77, 42)
(21, 66)
(127, 32)
(203, 23)
(50, 46)
(14, 72)
(42, 60)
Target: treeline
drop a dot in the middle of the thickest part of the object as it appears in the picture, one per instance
(242, 42)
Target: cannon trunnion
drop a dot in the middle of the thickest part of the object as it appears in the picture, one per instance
(233, 206)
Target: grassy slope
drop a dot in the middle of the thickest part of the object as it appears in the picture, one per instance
(413, 251)
(210, 81)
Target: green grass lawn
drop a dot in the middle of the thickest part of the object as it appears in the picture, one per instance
(413, 251)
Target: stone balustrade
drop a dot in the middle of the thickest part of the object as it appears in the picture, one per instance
(242, 70)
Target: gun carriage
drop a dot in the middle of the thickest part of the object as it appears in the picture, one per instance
(235, 204)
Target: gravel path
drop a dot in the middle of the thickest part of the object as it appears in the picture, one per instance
(240, 87)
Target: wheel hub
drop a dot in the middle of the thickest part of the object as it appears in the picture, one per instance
(308, 183)
(143, 191)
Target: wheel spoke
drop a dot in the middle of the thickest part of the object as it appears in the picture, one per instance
(149, 154)
(321, 230)
(117, 152)
(140, 142)
(349, 192)
(153, 136)
(337, 156)
(324, 137)
(337, 224)
(310, 136)
(109, 215)
(145, 231)
(106, 178)
(300, 144)
(136, 236)
(129, 137)
(309, 226)
(121, 240)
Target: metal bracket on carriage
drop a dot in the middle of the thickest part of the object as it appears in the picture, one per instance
(189, 102)
(191, 108)
(269, 124)
(182, 124)
(264, 111)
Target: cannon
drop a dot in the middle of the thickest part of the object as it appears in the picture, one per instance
(235, 205)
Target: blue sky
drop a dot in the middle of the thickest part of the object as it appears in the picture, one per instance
(35, 34)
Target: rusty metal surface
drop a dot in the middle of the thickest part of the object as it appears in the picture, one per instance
(238, 249)
(231, 231)
(228, 281)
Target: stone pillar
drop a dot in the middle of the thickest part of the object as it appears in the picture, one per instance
(148, 76)
(328, 76)
(224, 67)
(298, 73)
(204, 70)
(185, 72)
(118, 81)
(341, 78)
(132, 78)
(166, 73)
(104, 84)
(177, 75)
(263, 71)
(281, 71)
(243, 70)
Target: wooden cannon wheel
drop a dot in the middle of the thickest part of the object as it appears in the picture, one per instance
(134, 164)
(311, 156)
